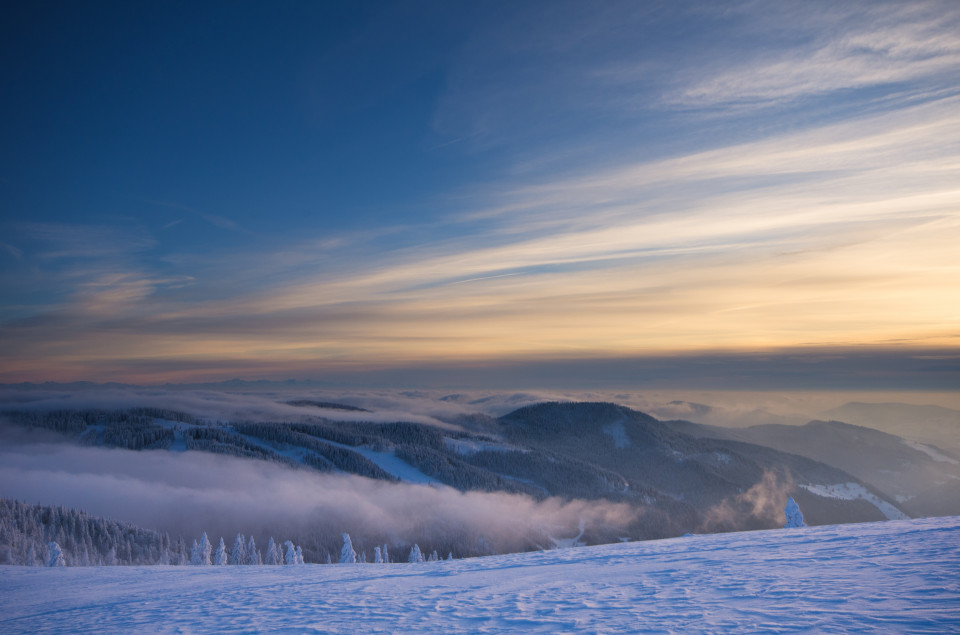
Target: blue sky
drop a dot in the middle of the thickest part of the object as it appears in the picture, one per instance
(195, 191)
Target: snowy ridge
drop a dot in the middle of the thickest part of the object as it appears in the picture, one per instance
(891, 576)
(853, 491)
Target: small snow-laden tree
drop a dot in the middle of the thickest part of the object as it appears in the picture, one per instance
(299, 555)
(206, 549)
(220, 557)
(111, 559)
(377, 555)
(415, 554)
(32, 560)
(450, 555)
(434, 557)
(363, 557)
(290, 555)
(793, 514)
(386, 554)
(347, 554)
(272, 557)
(238, 555)
(329, 560)
(56, 556)
(195, 558)
(253, 556)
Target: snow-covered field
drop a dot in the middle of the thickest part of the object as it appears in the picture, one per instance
(896, 576)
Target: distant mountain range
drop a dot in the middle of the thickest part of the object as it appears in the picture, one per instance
(683, 476)
(924, 423)
(923, 479)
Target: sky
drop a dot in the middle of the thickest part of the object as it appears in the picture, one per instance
(720, 194)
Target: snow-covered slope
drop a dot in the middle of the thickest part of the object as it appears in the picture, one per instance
(887, 577)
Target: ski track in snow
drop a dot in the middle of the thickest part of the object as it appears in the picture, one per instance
(892, 576)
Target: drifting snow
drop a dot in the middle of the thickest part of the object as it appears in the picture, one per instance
(886, 577)
(853, 491)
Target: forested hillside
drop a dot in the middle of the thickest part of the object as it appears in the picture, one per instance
(593, 451)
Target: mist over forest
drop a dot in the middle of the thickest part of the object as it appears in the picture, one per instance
(472, 472)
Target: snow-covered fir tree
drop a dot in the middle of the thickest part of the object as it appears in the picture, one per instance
(272, 557)
(206, 549)
(253, 556)
(56, 556)
(363, 557)
(290, 555)
(793, 514)
(347, 554)
(385, 554)
(32, 560)
(220, 557)
(238, 555)
(201, 551)
(299, 555)
(434, 557)
(377, 555)
(450, 556)
(110, 559)
(415, 554)
(195, 558)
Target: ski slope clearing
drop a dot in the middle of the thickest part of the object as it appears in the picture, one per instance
(892, 576)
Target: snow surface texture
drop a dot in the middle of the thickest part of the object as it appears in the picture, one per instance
(853, 491)
(892, 576)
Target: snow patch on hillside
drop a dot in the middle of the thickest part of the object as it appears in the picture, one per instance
(390, 463)
(467, 447)
(618, 433)
(395, 466)
(853, 491)
(932, 452)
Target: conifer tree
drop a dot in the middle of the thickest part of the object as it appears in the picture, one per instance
(31, 560)
(56, 556)
(377, 555)
(253, 556)
(195, 558)
(272, 555)
(415, 554)
(238, 555)
(290, 557)
(220, 558)
(205, 550)
(793, 514)
(347, 554)
(299, 555)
